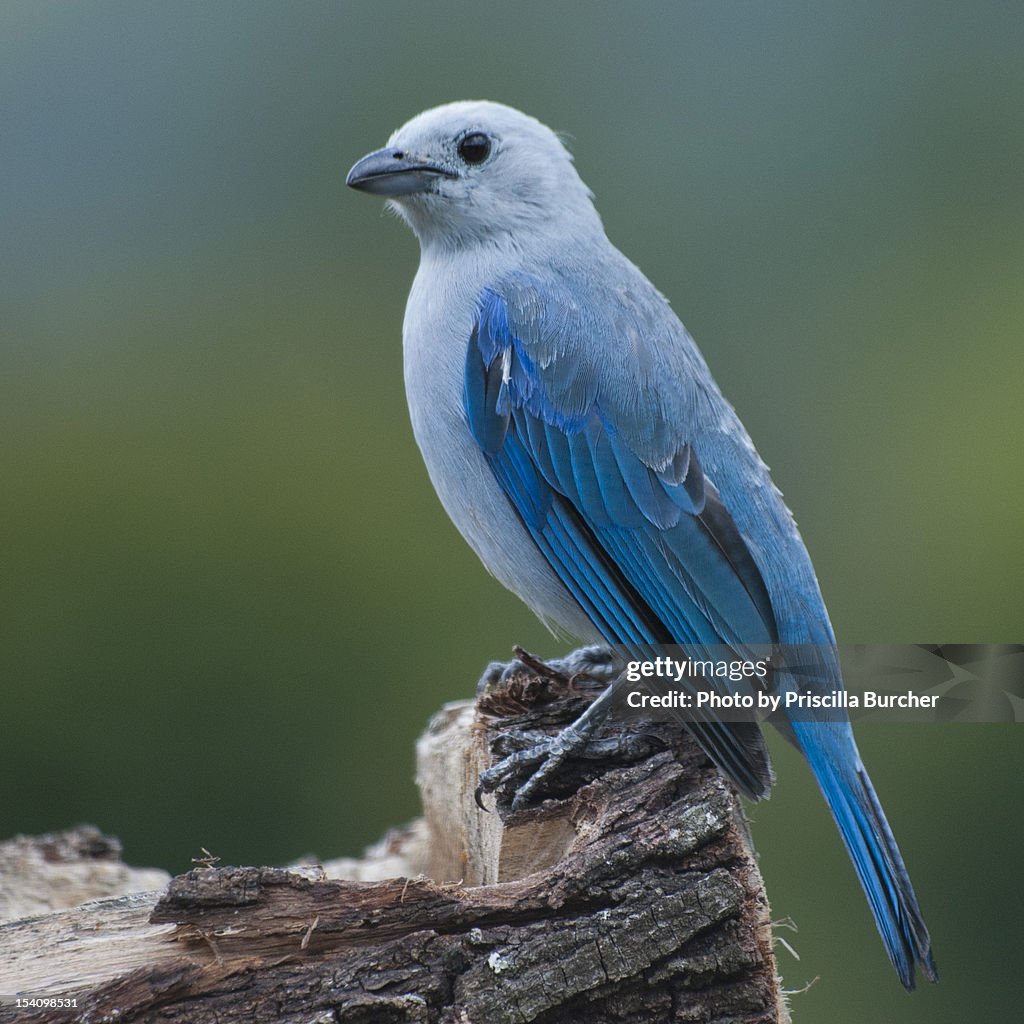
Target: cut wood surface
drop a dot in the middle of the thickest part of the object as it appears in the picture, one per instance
(629, 895)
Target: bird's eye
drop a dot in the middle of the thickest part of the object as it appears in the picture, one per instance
(475, 148)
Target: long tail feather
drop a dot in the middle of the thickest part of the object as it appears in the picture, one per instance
(832, 754)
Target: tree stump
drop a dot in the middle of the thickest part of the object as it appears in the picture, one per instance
(631, 894)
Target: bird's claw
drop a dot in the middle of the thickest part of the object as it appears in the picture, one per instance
(529, 760)
(545, 755)
(548, 752)
(589, 665)
(507, 744)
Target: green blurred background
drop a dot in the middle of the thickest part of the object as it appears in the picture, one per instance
(230, 600)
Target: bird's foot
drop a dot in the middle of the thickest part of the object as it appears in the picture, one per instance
(530, 760)
(589, 667)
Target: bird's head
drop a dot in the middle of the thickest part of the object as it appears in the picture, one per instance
(478, 172)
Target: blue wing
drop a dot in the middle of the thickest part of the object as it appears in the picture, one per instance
(592, 429)
(650, 553)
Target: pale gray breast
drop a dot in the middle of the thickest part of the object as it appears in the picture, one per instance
(438, 322)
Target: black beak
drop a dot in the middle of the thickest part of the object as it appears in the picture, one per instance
(392, 172)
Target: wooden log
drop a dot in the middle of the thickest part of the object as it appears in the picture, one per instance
(631, 894)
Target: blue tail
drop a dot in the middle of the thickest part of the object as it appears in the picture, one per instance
(832, 754)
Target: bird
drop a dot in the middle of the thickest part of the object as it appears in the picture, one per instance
(576, 438)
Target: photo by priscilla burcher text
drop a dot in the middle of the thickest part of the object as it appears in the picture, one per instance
(899, 682)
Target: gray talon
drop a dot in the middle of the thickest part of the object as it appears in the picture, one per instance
(593, 664)
(590, 664)
(498, 673)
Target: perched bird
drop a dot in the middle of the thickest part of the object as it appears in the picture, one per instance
(576, 438)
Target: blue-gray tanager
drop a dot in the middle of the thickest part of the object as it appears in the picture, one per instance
(576, 438)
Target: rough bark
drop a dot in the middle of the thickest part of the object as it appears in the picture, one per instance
(631, 894)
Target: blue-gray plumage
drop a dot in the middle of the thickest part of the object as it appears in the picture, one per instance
(578, 441)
